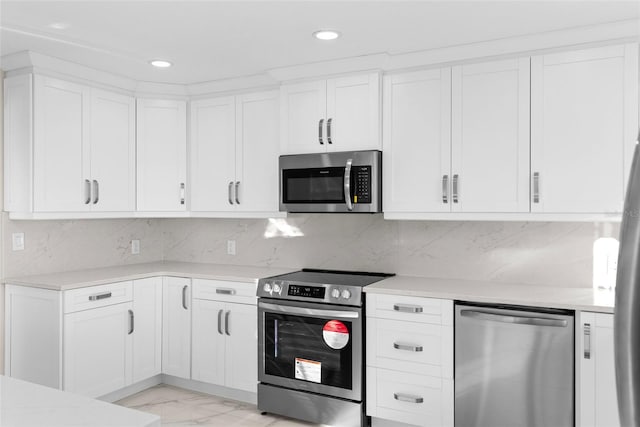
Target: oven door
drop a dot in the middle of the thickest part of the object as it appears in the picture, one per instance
(312, 347)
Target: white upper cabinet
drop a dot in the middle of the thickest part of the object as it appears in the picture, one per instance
(417, 141)
(76, 153)
(490, 137)
(339, 114)
(213, 154)
(61, 176)
(113, 151)
(162, 155)
(584, 121)
(234, 153)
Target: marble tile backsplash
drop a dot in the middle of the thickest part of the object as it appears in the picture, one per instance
(52, 246)
(545, 253)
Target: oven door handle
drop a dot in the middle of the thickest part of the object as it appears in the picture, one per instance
(334, 314)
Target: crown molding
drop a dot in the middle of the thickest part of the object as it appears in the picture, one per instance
(571, 38)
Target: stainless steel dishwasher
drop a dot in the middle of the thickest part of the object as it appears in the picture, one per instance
(514, 366)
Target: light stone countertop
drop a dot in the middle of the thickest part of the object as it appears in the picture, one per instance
(585, 299)
(24, 404)
(98, 276)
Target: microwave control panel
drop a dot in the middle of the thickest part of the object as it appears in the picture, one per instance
(362, 185)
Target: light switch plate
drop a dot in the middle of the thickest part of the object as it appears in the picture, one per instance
(135, 247)
(17, 241)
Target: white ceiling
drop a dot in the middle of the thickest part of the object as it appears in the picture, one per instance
(213, 40)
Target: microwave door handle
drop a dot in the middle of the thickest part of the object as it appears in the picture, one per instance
(347, 184)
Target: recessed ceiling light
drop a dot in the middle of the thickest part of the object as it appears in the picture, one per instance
(326, 35)
(59, 25)
(160, 63)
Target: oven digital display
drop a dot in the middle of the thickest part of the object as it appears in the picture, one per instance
(306, 291)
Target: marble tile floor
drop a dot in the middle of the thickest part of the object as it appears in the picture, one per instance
(180, 407)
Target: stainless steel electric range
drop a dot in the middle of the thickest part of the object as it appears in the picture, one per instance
(311, 345)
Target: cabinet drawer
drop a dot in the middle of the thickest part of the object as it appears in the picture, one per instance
(409, 398)
(410, 347)
(413, 309)
(97, 296)
(222, 290)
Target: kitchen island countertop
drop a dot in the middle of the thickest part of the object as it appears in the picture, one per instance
(25, 404)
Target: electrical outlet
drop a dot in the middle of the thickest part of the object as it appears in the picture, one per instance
(17, 240)
(231, 247)
(135, 247)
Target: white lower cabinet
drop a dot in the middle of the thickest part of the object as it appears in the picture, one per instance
(409, 360)
(98, 350)
(225, 345)
(147, 328)
(597, 399)
(176, 326)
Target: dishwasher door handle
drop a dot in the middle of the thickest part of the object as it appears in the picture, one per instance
(509, 318)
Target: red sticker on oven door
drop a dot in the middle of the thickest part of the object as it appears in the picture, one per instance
(335, 334)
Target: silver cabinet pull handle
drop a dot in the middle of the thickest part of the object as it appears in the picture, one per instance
(509, 318)
(225, 291)
(230, 191)
(98, 297)
(455, 188)
(87, 191)
(329, 130)
(536, 187)
(184, 297)
(407, 398)
(347, 184)
(182, 193)
(587, 340)
(226, 323)
(220, 322)
(238, 192)
(407, 308)
(445, 188)
(96, 191)
(131, 325)
(320, 131)
(407, 347)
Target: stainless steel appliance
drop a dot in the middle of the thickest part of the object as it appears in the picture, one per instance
(311, 345)
(331, 182)
(626, 326)
(513, 366)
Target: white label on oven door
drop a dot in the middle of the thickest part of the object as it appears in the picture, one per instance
(335, 334)
(308, 370)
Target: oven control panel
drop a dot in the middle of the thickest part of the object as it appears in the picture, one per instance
(332, 294)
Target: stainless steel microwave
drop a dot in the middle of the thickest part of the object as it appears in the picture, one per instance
(349, 181)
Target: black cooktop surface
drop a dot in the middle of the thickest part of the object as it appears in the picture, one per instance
(333, 277)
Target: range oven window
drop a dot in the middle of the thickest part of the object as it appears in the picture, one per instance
(296, 348)
(313, 185)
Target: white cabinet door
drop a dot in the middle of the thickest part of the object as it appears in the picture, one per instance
(208, 342)
(147, 328)
(303, 109)
(112, 141)
(97, 350)
(213, 154)
(257, 151)
(176, 327)
(61, 176)
(490, 137)
(598, 397)
(584, 120)
(353, 113)
(417, 141)
(161, 151)
(242, 347)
